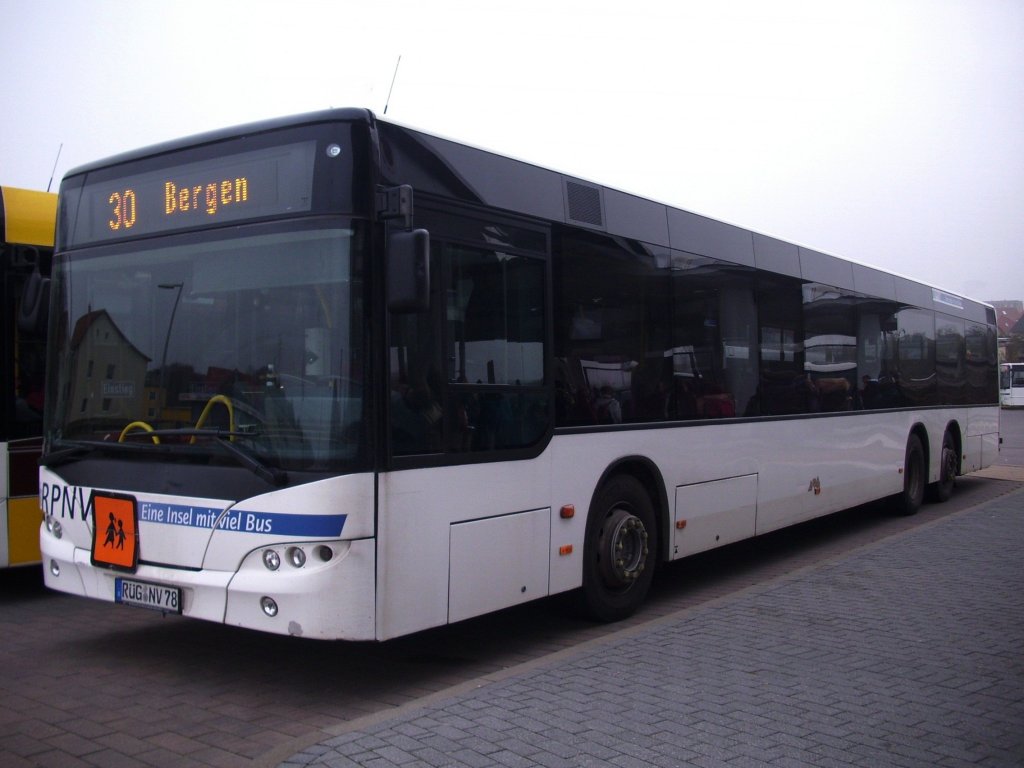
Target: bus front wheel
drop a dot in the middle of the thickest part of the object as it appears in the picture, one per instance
(619, 550)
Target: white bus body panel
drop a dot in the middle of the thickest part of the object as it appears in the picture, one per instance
(728, 480)
(498, 562)
(981, 446)
(420, 507)
(712, 514)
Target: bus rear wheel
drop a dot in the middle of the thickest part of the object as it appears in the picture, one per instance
(909, 501)
(948, 468)
(619, 550)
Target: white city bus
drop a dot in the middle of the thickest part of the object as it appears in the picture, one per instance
(26, 244)
(1011, 385)
(333, 377)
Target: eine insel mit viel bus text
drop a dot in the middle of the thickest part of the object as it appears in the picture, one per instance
(334, 377)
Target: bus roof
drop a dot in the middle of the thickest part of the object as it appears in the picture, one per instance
(27, 216)
(548, 193)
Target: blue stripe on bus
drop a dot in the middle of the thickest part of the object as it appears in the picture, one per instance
(242, 521)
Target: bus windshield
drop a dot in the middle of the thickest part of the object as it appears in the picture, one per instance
(253, 338)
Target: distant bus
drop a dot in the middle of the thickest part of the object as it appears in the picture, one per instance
(1011, 385)
(334, 377)
(27, 225)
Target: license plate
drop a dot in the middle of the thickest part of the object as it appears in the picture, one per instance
(156, 597)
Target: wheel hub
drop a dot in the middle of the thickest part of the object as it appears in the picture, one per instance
(623, 546)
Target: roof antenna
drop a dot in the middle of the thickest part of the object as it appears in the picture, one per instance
(392, 84)
(54, 166)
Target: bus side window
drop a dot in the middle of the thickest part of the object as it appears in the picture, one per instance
(611, 356)
(415, 404)
(495, 349)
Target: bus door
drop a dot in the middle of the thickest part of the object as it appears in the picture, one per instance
(467, 501)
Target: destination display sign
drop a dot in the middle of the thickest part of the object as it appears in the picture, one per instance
(248, 185)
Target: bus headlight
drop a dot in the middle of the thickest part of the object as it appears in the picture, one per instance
(271, 559)
(54, 527)
(296, 556)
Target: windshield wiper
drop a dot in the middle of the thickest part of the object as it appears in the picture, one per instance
(67, 455)
(223, 438)
(272, 475)
(79, 449)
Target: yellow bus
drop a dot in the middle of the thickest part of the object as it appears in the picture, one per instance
(27, 224)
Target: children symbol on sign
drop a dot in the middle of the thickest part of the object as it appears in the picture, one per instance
(115, 530)
(112, 532)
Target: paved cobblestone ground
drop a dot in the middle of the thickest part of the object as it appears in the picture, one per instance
(909, 652)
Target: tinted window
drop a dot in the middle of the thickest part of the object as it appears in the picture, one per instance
(612, 340)
(645, 335)
(495, 336)
(784, 385)
(876, 355)
(981, 355)
(830, 347)
(950, 360)
(23, 361)
(714, 341)
(468, 375)
(916, 354)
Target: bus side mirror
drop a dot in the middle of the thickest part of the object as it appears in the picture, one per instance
(34, 305)
(408, 264)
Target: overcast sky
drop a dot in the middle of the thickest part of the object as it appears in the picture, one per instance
(890, 132)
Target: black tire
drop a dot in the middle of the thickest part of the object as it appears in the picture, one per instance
(619, 551)
(914, 477)
(949, 467)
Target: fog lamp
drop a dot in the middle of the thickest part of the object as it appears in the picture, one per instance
(55, 568)
(296, 556)
(269, 606)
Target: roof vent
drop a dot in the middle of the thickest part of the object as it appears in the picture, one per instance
(584, 203)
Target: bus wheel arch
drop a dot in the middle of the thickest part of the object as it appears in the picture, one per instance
(621, 543)
(646, 472)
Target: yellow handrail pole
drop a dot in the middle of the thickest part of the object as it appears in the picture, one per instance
(138, 425)
(226, 402)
